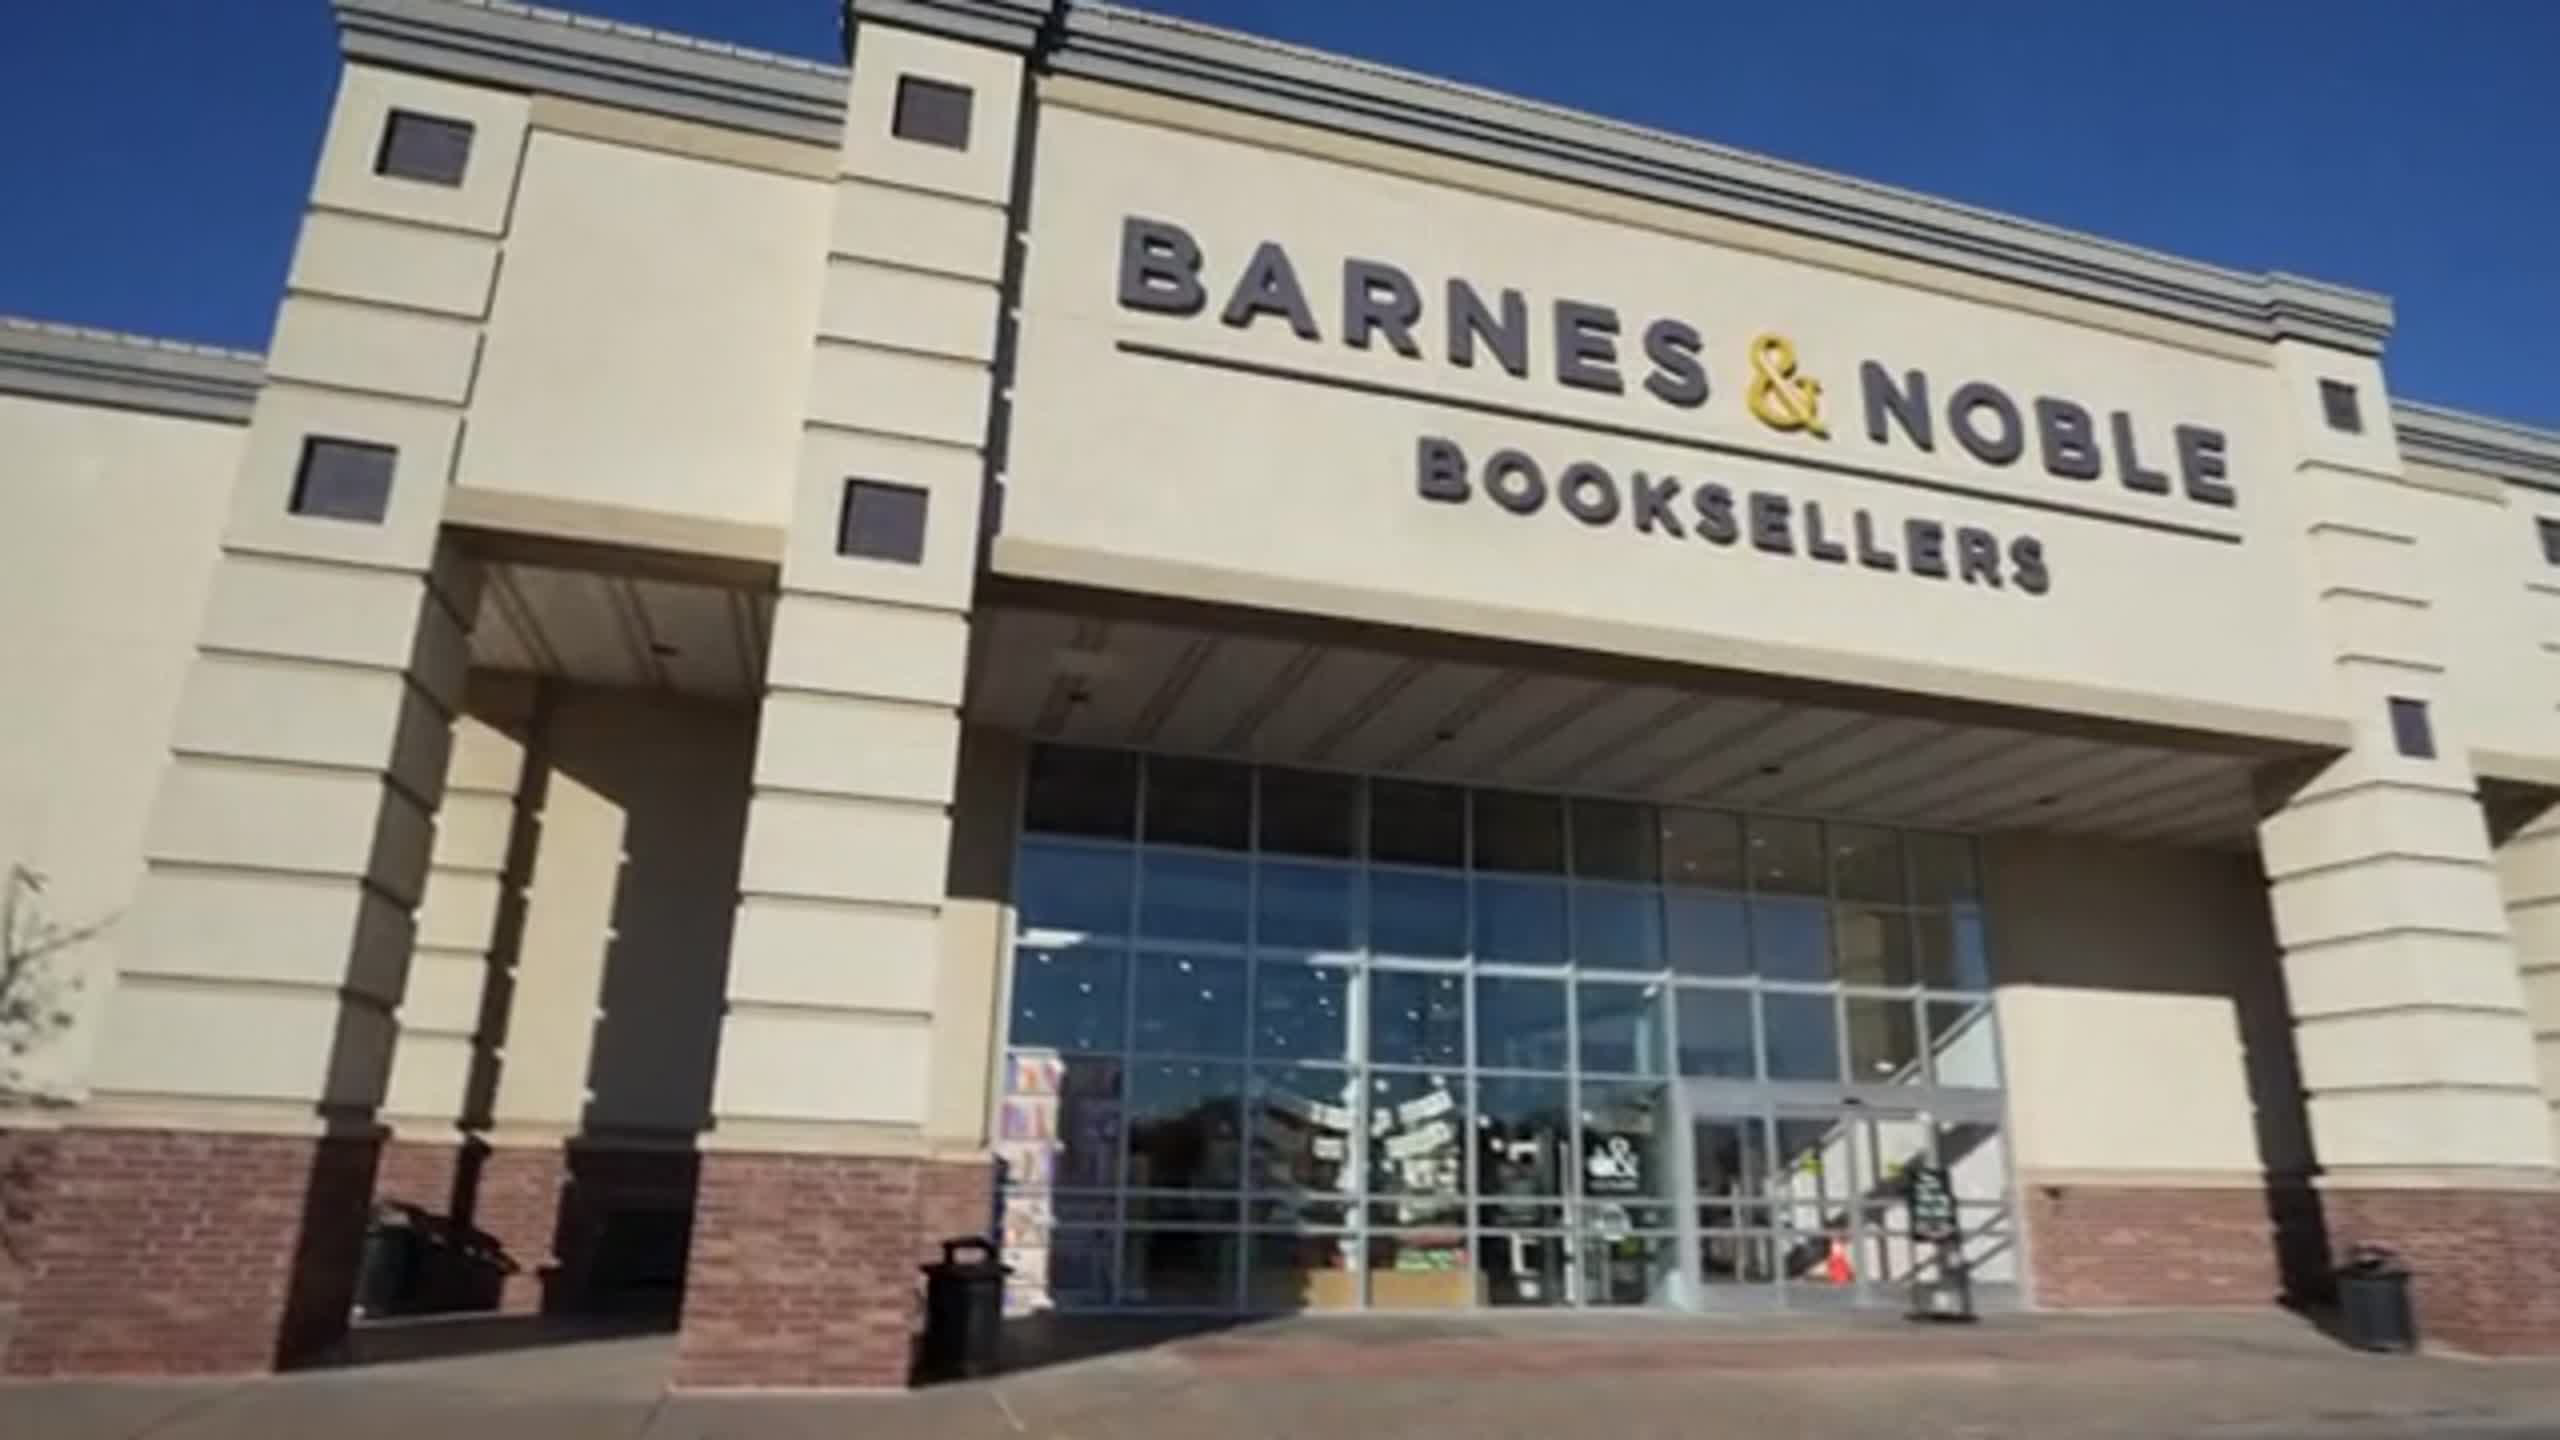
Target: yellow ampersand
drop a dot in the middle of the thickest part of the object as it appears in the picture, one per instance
(1777, 397)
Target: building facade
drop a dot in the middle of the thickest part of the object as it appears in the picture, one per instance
(1286, 685)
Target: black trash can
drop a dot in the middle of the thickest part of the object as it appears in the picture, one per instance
(963, 1310)
(2373, 1301)
(394, 1255)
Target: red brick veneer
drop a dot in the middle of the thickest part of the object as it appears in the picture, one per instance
(152, 1252)
(803, 1270)
(2108, 1247)
(512, 1194)
(2486, 1262)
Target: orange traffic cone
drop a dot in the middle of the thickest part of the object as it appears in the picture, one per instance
(1835, 1266)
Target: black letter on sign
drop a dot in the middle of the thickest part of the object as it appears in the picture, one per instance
(1586, 346)
(2149, 482)
(1677, 378)
(1715, 514)
(1512, 479)
(1376, 295)
(1508, 337)
(1927, 542)
(1587, 493)
(1651, 500)
(2026, 554)
(1269, 286)
(1159, 268)
(2201, 464)
(2067, 438)
(1978, 556)
(1909, 405)
(1870, 554)
(1981, 395)
(1770, 528)
(1817, 544)
(1440, 469)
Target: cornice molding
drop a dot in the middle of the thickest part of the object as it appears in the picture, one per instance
(551, 52)
(2458, 440)
(128, 372)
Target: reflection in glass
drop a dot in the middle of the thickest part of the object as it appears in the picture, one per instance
(1733, 1171)
(1866, 864)
(1305, 907)
(1786, 856)
(1791, 939)
(1800, 1036)
(1715, 1034)
(1417, 1017)
(1411, 823)
(1963, 1047)
(1706, 932)
(1524, 1130)
(1519, 922)
(1427, 1271)
(1523, 834)
(1627, 1153)
(1178, 1269)
(1302, 1272)
(1615, 840)
(1072, 791)
(1737, 1259)
(1884, 1046)
(1702, 849)
(1059, 1124)
(1952, 955)
(1520, 1024)
(1081, 889)
(1304, 1122)
(1943, 870)
(1418, 914)
(1629, 1270)
(1977, 1165)
(1309, 812)
(1208, 803)
(1622, 1028)
(1417, 1148)
(1190, 1005)
(1068, 999)
(1617, 927)
(1301, 1011)
(1186, 1126)
(1191, 897)
(1524, 1269)
(1875, 946)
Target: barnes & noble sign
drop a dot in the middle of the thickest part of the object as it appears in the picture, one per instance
(2072, 449)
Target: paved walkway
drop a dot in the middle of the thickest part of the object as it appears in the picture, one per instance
(1481, 1378)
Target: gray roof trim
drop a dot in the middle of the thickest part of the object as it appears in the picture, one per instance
(2458, 440)
(1012, 24)
(1180, 58)
(551, 52)
(128, 372)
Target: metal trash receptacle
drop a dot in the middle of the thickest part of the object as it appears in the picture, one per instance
(2373, 1301)
(394, 1253)
(963, 1312)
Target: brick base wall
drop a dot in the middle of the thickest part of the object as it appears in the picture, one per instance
(804, 1268)
(2487, 1262)
(2108, 1247)
(152, 1252)
(509, 1195)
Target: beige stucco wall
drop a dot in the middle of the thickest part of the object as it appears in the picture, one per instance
(109, 542)
(648, 344)
(1199, 478)
(2496, 607)
(2142, 1013)
(628, 899)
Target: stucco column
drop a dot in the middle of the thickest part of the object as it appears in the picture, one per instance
(825, 1176)
(2426, 1110)
(2529, 878)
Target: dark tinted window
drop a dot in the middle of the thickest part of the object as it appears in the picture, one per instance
(344, 480)
(427, 148)
(1081, 792)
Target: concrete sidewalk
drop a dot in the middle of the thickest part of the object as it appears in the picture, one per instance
(2257, 1377)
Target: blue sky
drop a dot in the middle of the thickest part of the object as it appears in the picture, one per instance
(160, 149)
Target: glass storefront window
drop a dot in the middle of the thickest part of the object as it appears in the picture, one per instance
(1417, 1017)
(1520, 1024)
(1189, 1005)
(1288, 1040)
(1302, 1011)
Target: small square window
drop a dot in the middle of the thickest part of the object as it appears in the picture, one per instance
(426, 148)
(344, 480)
(2340, 407)
(931, 112)
(2412, 733)
(2550, 530)
(882, 522)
